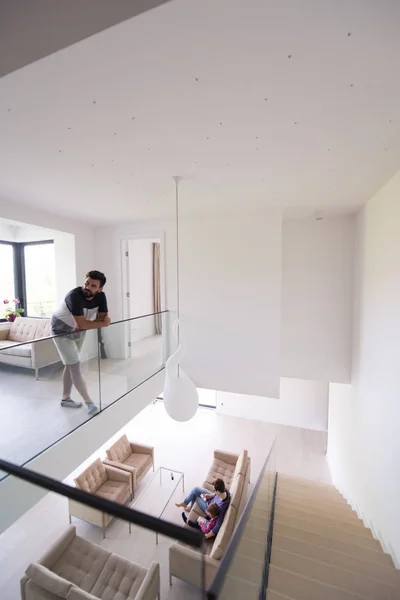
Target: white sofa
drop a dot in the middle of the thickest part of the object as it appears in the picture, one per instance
(31, 355)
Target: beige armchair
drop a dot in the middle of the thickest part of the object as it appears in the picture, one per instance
(105, 481)
(76, 569)
(133, 458)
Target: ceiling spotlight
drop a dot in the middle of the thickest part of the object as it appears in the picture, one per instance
(318, 216)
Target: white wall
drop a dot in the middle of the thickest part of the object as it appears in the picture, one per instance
(317, 297)
(364, 418)
(302, 404)
(84, 235)
(230, 294)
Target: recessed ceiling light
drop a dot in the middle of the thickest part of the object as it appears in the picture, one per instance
(349, 34)
(94, 101)
(289, 56)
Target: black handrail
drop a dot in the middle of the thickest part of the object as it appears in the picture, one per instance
(268, 552)
(219, 579)
(187, 536)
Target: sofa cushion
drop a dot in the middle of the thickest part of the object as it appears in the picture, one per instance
(236, 491)
(43, 329)
(81, 563)
(119, 579)
(241, 464)
(141, 462)
(23, 329)
(120, 450)
(12, 349)
(48, 580)
(92, 478)
(224, 534)
(117, 491)
(222, 470)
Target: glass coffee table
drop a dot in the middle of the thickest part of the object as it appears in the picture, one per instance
(157, 493)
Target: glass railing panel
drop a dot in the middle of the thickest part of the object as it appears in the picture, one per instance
(242, 570)
(33, 382)
(134, 528)
(103, 365)
(132, 351)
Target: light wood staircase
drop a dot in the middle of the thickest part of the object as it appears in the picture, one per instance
(321, 550)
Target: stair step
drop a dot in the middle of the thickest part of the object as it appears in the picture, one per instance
(303, 588)
(385, 573)
(375, 556)
(271, 595)
(282, 478)
(318, 509)
(350, 581)
(336, 533)
(352, 526)
(338, 507)
(236, 589)
(328, 494)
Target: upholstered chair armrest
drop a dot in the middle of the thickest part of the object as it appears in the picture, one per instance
(150, 588)
(122, 467)
(142, 449)
(118, 475)
(185, 563)
(58, 548)
(4, 330)
(44, 353)
(227, 457)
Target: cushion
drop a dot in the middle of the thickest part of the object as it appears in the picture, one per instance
(117, 491)
(43, 329)
(224, 534)
(222, 470)
(76, 593)
(241, 464)
(12, 349)
(23, 329)
(4, 333)
(120, 450)
(236, 491)
(81, 563)
(48, 580)
(119, 579)
(92, 477)
(141, 462)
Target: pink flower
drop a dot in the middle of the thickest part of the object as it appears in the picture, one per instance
(6, 302)
(16, 300)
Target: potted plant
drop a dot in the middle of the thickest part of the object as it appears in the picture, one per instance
(12, 314)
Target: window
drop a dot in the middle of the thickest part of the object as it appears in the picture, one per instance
(27, 272)
(7, 274)
(40, 285)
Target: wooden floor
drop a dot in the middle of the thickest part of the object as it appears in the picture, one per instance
(187, 447)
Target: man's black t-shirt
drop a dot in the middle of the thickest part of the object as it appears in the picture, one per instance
(77, 305)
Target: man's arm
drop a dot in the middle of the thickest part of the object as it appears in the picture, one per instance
(83, 324)
(101, 316)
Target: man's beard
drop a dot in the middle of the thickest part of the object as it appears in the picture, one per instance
(88, 294)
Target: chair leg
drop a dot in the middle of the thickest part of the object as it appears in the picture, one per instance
(69, 518)
(37, 374)
(170, 579)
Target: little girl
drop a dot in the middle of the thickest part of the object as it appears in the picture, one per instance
(206, 525)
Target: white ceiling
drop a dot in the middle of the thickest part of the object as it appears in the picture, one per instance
(280, 103)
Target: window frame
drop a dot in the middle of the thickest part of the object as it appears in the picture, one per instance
(19, 270)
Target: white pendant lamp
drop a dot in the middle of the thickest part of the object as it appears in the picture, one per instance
(181, 398)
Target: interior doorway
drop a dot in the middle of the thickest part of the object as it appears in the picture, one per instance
(144, 292)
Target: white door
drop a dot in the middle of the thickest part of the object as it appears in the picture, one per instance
(141, 288)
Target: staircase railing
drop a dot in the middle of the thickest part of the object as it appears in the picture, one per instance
(233, 578)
